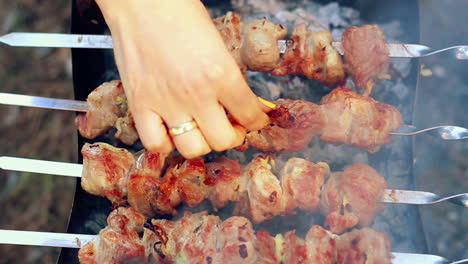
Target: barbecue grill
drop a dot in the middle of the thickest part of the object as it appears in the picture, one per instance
(92, 67)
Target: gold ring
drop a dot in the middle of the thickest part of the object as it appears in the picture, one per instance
(183, 128)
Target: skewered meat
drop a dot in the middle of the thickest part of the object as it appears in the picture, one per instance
(259, 51)
(107, 170)
(107, 109)
(311, 54)
(229, 26)
(203, 238)
(363, 246)
(294, 123)
(352, 197)
(119, 242)
(348, 198)
(343, 116)
(366, 55)
(358, 120)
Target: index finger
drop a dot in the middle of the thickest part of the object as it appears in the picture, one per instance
(237, 97)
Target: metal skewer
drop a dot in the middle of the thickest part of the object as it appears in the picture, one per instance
(443, 132)
(54, 40)
(75, 170)
(64, 240)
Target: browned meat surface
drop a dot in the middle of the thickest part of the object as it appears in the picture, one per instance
(364, 246)
(352, 197)
(203, 238)
(126, 130)
(118, 242)
(237, 241)
(144, 183)
(294, 123)
(192, 239)
(264, 190)
(357, 120)
(106, 170)
(259, 51)
(106, 104)
(229, 26)
(301, 181)
(311, 54)
(366, 55)
(321, 245)
(225, 177)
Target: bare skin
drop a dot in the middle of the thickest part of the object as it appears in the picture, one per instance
(175, 68)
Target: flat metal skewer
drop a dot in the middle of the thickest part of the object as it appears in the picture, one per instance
(443, 132)
(64, 240)
(75, 170)
(57, 40)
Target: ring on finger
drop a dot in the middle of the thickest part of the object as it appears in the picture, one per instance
(183, 128)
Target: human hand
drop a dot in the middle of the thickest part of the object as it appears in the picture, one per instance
(175, 68)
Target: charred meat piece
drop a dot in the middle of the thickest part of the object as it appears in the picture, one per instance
(192, 239)
(236, 241)
(145, 184)
(203, 238)
(259, 51)
(364, 246)
(357, 120)
(107, 109)
(321, 246)
(106, 170)
(264, 190)
(126, 130)
(312, 55)
(352, 197)
(119, 242)
(224, 176)
(230, 28)
(366, 55)
(301, 181)
(294, 123)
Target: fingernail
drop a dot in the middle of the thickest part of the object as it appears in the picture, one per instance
(266, 102)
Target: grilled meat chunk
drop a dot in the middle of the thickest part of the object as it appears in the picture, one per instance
(357, 120)
(119, 242)
(363, 246)
(145, 183)
(294, 123)
(311, 54)
(301, 181)
(230, 28)
(264, 191)
(352, 197)
(126, 130)
(259, 51)
(106, 170)
(366, 55)
(224, 176)
(107, 109)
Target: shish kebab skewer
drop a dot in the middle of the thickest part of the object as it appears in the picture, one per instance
(95, 248)
(342, 117)
(83, 106)
(261, 192)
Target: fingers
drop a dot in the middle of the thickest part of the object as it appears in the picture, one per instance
(190, 144)
(265, 105)
(216, 128)
(243, 105)
(152, 131)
